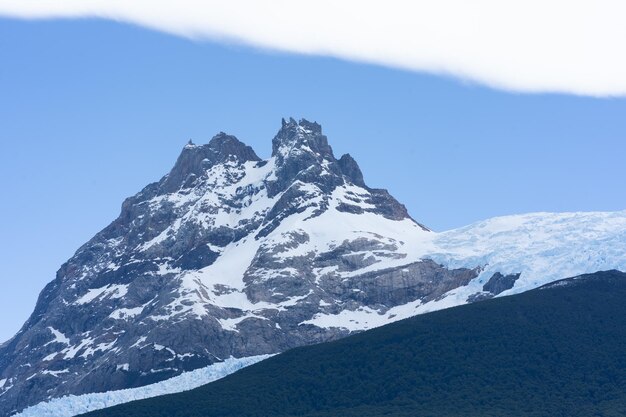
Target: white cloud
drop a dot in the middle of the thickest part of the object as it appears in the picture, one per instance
(523, 45)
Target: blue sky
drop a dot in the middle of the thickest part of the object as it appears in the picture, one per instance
(91, 111)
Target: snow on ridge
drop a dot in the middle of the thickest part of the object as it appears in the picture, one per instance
(73, 405)
(113, 291)
(55, 373)
(58, 337)
(126, 313)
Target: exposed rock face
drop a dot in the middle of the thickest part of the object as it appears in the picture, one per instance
(227, 255)
(499, 283)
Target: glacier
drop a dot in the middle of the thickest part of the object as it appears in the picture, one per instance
(72, 405)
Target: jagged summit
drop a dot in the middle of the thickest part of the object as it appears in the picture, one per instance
(303, 157)
(312, 127)
(299, 152)
(194, 160)
(351, 170)
(302, 135)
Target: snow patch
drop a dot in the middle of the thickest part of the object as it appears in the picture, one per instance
(231, 324)
(139, 342)
(122, 367)
(58, 337)
(103, 347)
(71, 351)
(111, 290)
(55, 373)
(126, 313)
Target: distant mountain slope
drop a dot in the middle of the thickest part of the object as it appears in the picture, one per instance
(553, 351)
(230, 255)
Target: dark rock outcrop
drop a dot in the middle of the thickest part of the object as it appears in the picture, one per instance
(499, 283)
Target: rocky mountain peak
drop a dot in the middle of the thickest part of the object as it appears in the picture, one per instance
(302, 155)
(313, 127)
(295, 138)
(226, 255)
(225, 145)
(194, 160)
(351, 170)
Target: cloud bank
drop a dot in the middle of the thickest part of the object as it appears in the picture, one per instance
(520, 45)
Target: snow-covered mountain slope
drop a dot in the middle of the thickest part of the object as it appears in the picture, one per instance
(73, 405)
(514, 253)
(541, 247)
(233, 256)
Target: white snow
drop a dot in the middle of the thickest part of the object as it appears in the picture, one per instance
(231, 324)
(139, 342)
(165, 269)
(112, 266)
(206, 206)
(99, 347)
(71, 351)
(126, 313)
(58, 337)
(55, 373)
(122, 367)
(5, 385)
(111, 290)
(73, 405)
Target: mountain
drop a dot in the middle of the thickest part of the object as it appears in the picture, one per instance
(230, 255)
(553, 351)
